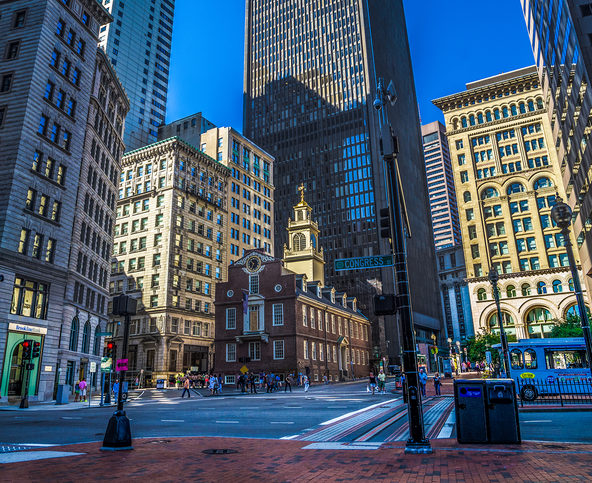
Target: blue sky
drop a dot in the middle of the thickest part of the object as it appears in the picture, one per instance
(452, 42)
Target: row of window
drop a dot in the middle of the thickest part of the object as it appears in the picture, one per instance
(64, 68)
(94, 211)
(93, 240)
(278, 351)
(60, 99)
(277, 314)
(44, 207)
(37, 250)
(91, 269)
(91, 298)
(56, 133)
(496, 114)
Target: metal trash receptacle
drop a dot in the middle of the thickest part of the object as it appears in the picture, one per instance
(502, 411)
(63, 394)
(471, 411)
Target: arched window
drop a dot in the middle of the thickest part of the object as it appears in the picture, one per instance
(543, 182)
(455, 124)
(496, 113)
(489, 193)
(541, 288)
(522, 108)
(480, 118)
(515, 188)
(571, 285)
(299, 242)
(313, 241)
(488, 116)
(481, 294)
(573, 312)
(516, 359)
(557, 286)
(530, 106)
(467, 196)
(74, 335)
(540, 323)
(505, 112)
(539, 102)
(463, 121)
(525, 289)
(508, 323)
(511, 291)
(86, 337)
(97, 341)
(472, 119)
(513, 110)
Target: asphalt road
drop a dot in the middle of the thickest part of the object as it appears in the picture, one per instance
(278, 415)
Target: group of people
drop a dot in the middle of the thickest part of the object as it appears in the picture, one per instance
(377, 383)
(250, 382)
(80, 390)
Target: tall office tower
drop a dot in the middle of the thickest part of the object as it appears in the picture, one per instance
(310, 74)
(507, 176)
(138, 42)
(250, 191)
(440, 185)
(47, 81)
(560, 34)
(169, 252)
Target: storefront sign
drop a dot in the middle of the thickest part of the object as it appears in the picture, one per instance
(31, 329)
(48, 368)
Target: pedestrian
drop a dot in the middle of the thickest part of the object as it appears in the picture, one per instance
(423, 380)
(372, 382)
(437, 383)
(116, 390)
(219, 383)
(381, 382)
(289, 382)
(77, 391)
(306, 383)
(82, 386)
(186, 389)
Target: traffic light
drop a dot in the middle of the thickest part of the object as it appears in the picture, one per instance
(385, 223)
(109, 350)
(36, 350)
(27, 346)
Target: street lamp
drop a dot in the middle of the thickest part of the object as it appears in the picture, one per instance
(417, 442)
(562, 216)
(494, 278)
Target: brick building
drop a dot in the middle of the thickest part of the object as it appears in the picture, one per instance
(270, 318)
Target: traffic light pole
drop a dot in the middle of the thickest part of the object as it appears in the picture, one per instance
(417, 442)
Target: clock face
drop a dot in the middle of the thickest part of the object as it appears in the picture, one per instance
(253, 264)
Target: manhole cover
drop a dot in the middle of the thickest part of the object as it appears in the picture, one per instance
(219, 451)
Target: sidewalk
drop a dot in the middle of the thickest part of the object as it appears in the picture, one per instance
(273, 460)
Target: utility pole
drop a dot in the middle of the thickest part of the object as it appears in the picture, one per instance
(417, 442)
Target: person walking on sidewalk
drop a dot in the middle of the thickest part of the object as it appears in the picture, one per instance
(381, 382)
(82, 386)
(77, 391)
(252, 383)
(437, 383)
(186, 389)
(289, 382)
(423, 380)
(372, 382)
(306, 383)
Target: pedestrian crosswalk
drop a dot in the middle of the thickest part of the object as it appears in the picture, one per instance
(386, 422)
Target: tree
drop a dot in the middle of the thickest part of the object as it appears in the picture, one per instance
(570, 327)
(482, 342)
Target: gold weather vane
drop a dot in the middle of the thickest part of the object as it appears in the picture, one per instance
(302, 189)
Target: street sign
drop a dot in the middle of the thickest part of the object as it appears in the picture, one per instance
(488, 356)
(104, 334)
(361, 263)
(93, 366)
(106, 364)
(121, 365)
(244, 369)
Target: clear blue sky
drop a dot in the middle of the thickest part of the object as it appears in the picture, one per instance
(452, 42)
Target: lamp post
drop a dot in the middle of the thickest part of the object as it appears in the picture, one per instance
(562, 215)
(494, 278)
(417, 442)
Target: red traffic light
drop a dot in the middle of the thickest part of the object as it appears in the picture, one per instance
(109, 345)
(26, 344)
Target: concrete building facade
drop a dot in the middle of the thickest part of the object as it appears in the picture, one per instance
(48, 78)
(169, 251)
(442, 196)
(560, 36)
(507, 178)
(139, 43)
(309, 70)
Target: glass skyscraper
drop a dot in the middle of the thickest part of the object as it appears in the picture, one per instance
(310, 76)
(560, 32)
(138, 42)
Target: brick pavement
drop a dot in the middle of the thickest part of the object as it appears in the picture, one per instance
(181, 459)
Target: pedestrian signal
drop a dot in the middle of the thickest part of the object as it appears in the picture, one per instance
(36, 352)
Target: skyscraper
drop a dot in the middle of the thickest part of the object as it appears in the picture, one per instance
(138, 42)
(310, 75)
(560, 34)
(440, 185)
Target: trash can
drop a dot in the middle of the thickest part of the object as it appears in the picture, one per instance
(470, 410)
(63, 394)
(502, 411)
(160, 384)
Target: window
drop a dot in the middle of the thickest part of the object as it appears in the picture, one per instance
(525, 290)
(23, 246)
(254, 284)
(557, 286)
(481, 294)
(516, 359)
(29, 298)
(278, 349)
(231, 318)
(19, 19)
(541, 288)
(278, 314)
(515, 188)
(231, 352)
(73, 346)
(530, 359)
(255, 351)
(305, 349)
(511, 291)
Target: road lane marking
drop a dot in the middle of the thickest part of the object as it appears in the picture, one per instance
(173, 420)
(446, 430)
(227, 422)
(290, 437)
(282, 422)
(70, 417)
(538, 421)
(292, 407)
(348, 415)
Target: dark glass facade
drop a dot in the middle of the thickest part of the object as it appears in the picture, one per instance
(310, 76)
(561, 38)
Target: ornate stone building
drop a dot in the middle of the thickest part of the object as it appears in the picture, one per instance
(270, 318)
(507, 178)
(169, 251)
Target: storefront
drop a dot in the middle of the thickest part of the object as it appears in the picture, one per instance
(14, 375)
